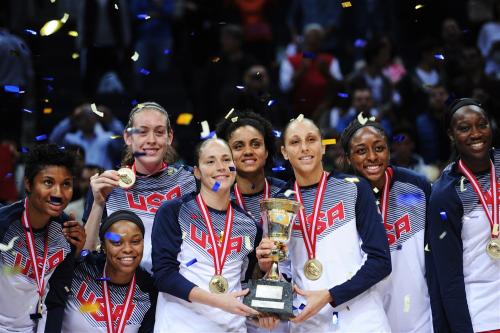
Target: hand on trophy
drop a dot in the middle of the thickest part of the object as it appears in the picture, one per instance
(263, 253)
(230, 303)
(316, 300)
(267, 321)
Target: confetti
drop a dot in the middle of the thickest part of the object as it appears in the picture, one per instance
(27, 111)
(359, 43)
(47, 110)
(73, 33)
(216, 186)
(234, 119)
(240, 87)
(419, 6)
(97, 112)
(133, 130)
(426, 248)
(135, 56)
(103, 278)
(205, 129)
(302, 306)
(270, 103)
(309, 55)
(346, 4)
(278, 168)
(443, 216)
(24, 150)
(376, 190)
(462, 187)
(362, 119)
(84, 253)
(56, 200)
(112, 236)
(300, 117)
(32, 32)
(439, 56)
(183, 234)
(399, 247)
(65, 18)
(143, 16)
(184, 119)
(335, 318)
(89, 307)
(232, 168)
(248, 244)
(41, 137)
(326, 142)
(406, 304)
(8, 175)
(116, 6)
(352, 179)
(139, 154)
(288, 193)
(398, 138)
(343, 95)
(191, 262)
(410, 199)
(11, 89)
(10, 245)
(229, 113)
(442, 235)
(66, 289)
(75, 55)
(8, 270)
(144, 71)
(277, 133)
(114, 137)
(215, 59)
(166, 51)
(51, 27)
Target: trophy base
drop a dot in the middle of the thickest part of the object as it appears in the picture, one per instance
(267, 296)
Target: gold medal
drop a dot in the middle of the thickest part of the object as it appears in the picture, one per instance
(218, 285)
(313, 269)
(493, 248)
(127, 178)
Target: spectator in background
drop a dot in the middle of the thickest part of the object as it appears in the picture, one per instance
(403, 153)
(154, 36)
(453, 46)
(433, 143)
(224, 74)
(103, 40)
(490, 32)
(306, 75)
(361, 101)
(8, 158)
(81, 187)
(100, 137)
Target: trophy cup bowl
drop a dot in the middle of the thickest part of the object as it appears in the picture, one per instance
(273, 294)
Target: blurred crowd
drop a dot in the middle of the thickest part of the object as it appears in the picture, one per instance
(402, 62)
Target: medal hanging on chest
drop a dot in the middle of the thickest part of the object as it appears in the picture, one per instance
(241, 202)
(37, 267)
(313, 269)
(127, 306)
(218, 284)
(493, 246)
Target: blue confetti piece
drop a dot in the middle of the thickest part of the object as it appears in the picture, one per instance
(84, 253)
(191, 262)
(410, 199)
(343, 95)
(103, 279)
(335, 318)
(48, 78)
(443, 216)
(11, 89)
(399, 247)
(279, 168)
(439, 56)
(143, 16)
(32, 32)
(144, 71)
(309, 55)
(41, 137)
(232, 168)
(112, 236)
(216, 186)
(132, 130)
(62, 148)
(9, 175)
(139, 154)
(24, 150)
(294, 308)
(398, 138)
(240, 87)
(166, 51)
(302, 306)
(277, 133)
(27, 111)
(134, 102)
(270, 103)
(49, 88)
(359, 43)
(55, 199)
(208, 136)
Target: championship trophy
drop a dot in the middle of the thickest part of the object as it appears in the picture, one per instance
(273, 294)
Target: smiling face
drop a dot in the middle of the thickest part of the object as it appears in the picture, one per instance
(123, 256)
(213, 165)
(369, 154)
(303, 148)
(50, 191)
(150, 136)
(471, 133)
(249, 150)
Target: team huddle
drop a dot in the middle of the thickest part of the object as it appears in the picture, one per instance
(170, 248)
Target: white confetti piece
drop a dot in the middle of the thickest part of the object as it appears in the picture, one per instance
(97, 112)
(65, 18)
(300, 117)
(10, 245)
(352, 179)
(376, 190)
(426, 248)
(289, 193)
(442, 235)
(248, 244)
(406, 304)
(183, 234)
(234, 119)
(229, 113)
(135, 56)
(462, 187)
(205, 129)
(362, 119)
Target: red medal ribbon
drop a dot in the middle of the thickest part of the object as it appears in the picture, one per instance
(122, 320)
(309, 234)
(239, 196)
(30, 244)
(219, 256)
(384, 200)
(494, 216)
